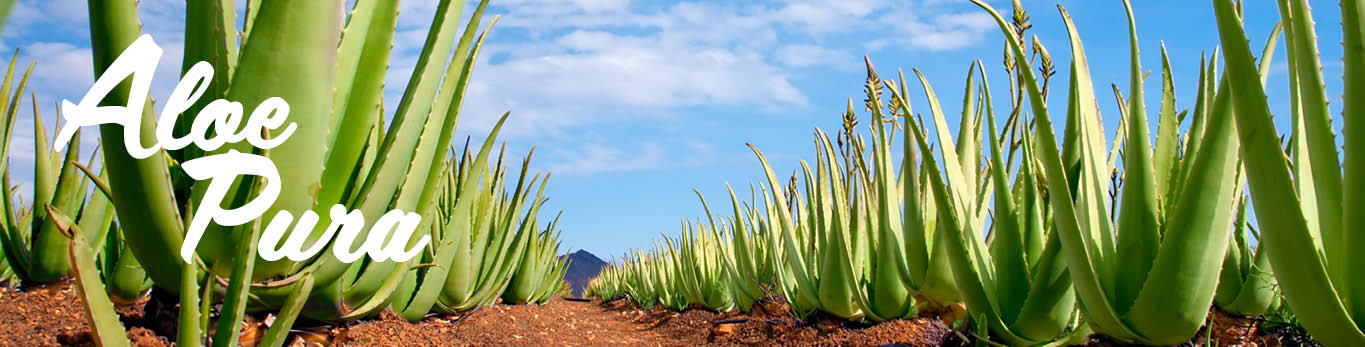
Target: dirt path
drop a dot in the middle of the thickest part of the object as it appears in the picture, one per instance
(569, 323)
(558, 323)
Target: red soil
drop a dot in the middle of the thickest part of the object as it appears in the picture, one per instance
(569, 323)
(52, 315)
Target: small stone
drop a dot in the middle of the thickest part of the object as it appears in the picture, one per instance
(723, 329)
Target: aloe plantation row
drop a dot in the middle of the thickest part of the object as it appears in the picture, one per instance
(1043, 237)
(111, 221)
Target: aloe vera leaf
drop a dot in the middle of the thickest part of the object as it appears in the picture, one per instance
(189, 333)
(206, 303)
(1081, 258)
(381, 184)
(497, 280)
(1258, 288)
(48, 264)
(229, 325)
(12, 238)
(1011, 261)
(1082, 150)
(401, 140)
(249, 23)
(408, 199)
(968, 144)
(792, 261)
(362, 60)
(1253, 291)
(1174, 301)
(154, 227)
(1082, 156)
(1305, 281)
(1140, 235)
(99, 311)
(278, 332)
(1301, 167)
(97, 214)
(5, 7)
(434, 283)
(470, 242)
(966, 267)
(917, 235)
(45, 168)
(1049, 295)
(210, 36)
(532, 278)
(1208, 76)
(955, 172)
(836, 271)
(1353, 78)
(367, 36)
(1231, 277)
(938, 283)
(127, 280)
(891, 296)
(1166, 155)
(304, 78)
(1322, 150)
(419, 187)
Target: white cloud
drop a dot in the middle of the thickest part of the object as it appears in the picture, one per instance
(940, 32)
(59, 67)
(600, 157)
(824, 16)
(30, 17)
(615, 59)
(808, 55)
(639, 72)
(596, 158)
(563, 66)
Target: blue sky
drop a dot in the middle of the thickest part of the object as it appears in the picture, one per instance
(633, 103)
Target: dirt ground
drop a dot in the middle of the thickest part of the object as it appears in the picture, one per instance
(52, 316)
(570, 323)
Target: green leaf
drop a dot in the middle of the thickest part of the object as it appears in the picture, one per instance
(1139, 221)
(1304, 279)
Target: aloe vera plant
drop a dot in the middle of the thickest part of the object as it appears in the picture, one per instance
(639, 278)
(330, 69)
(698, 259)
(35, 250)
(540, 270)
(717, 263)
(876, 246)
(746, 260)
(1303, 203)
(1180, 249)
(846, 244)
(82, 257)
(1014, 281)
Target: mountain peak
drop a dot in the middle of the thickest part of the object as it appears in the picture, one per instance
(583, 267)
